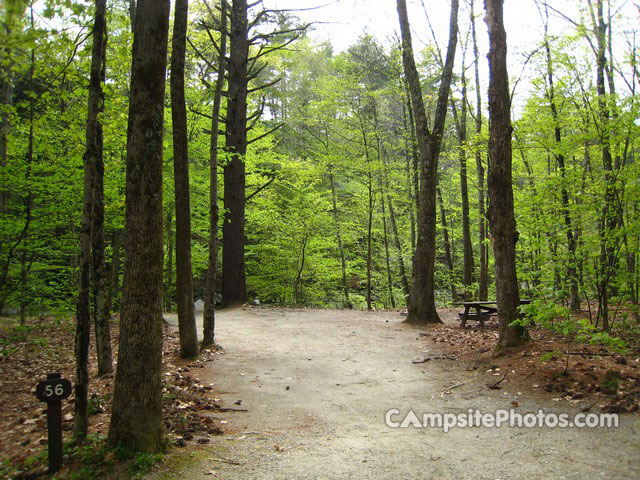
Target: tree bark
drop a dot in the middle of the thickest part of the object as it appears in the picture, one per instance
(502, 220)
(483, 274)
(169, 272)
(114, 275)
(184, 278)
(209, 315)
(461, 127)
(101, 303)
(422, 309)
(136, 419)
(234, 286)
(608, 220)
(92, 152)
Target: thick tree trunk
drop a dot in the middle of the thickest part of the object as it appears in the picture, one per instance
(209, 315)
(422, 309)
(502, 220)
(234, 286)
(184, 278)
(136, 418)
(483, 274)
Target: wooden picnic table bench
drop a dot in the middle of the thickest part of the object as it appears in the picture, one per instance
(484, 310)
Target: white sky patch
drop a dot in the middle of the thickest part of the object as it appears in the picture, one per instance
(342, 22)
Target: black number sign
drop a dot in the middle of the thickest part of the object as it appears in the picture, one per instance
(53, 390)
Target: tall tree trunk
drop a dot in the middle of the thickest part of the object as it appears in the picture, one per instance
(169, 271)
(608, 220)
(447, 247)
(422, 309)
(461, 127)
(394, 230)
(136, 418)
(396, 238)
(574, 300)
(92, 152)
(114, 275)
(234, 286)
(371, 201)
(382, 162)
(184, 278)
(483, 274)
(9, 247)
(336, 220)
(101, 303)
(502, 220)
(132, 13)
(386, 246)
(369, 239)
(413, 169)
(209, 315)
(100, 285)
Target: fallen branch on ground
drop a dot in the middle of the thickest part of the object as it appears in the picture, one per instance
(448, 389)
(436, 357)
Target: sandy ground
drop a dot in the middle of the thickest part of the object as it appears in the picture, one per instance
(317, 384)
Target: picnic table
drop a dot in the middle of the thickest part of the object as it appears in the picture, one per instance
(484, 309)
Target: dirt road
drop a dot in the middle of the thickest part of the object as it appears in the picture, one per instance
(317, 384)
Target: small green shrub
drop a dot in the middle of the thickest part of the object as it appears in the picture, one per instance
(557, 318)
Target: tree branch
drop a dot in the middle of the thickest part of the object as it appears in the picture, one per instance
(266, 134)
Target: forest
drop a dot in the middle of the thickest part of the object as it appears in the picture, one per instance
(274, 170)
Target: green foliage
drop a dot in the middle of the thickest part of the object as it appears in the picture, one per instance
(545, 357)
(546, 314)
(558, 319)
(15, 336)
(344, 115)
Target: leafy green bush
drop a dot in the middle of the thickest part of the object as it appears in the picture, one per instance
(557, 318)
